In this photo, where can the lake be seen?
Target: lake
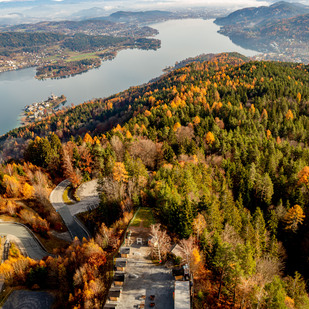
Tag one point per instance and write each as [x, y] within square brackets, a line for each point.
[180, 39]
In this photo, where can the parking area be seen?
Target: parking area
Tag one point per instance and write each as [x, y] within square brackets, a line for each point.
[145, 283]
[138, 282]
[29, 300]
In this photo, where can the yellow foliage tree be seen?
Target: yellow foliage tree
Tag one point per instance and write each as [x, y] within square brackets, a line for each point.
[298, 97]
[264, 114]
[12, 185]
[268, 134]
[252, 108]
[196, 120]
[119, 172]
[88, 138]
[96, 140]
[289, 115]
[289, 302]
[152, 100]
[177, 125]
[27, 191]
[196, 256]
[147, 113]
[210, 138]
[128, 135]
[118, 128]
[294, 217]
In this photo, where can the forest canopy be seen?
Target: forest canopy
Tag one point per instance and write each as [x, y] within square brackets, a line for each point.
[218, 150]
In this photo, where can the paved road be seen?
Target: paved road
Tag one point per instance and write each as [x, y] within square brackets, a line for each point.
[29, 300]
[89, 198]
[68, 212]
[24, 238]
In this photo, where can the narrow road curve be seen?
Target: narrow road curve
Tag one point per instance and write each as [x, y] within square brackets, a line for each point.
[89, 200]
[25, 239]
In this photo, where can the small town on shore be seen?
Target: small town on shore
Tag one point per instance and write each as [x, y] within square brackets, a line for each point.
[37, 111]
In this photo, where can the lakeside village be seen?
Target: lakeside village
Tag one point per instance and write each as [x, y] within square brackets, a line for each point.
[37, 111]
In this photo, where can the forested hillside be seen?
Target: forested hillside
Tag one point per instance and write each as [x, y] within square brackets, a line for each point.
[219, 151]
[12, 42]
[280, 30]
[258, 16]
[27, 41]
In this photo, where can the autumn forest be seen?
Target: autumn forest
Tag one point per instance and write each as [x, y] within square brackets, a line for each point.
[218, 149]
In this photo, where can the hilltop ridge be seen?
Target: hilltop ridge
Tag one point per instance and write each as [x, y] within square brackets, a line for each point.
[279, 30]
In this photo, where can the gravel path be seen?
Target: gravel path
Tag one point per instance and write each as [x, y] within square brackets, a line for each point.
[24, 238]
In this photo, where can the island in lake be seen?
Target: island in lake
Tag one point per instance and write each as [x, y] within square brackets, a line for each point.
[37, 111]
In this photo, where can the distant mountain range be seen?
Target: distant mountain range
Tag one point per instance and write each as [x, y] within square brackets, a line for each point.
[99, 25]
[282, 27]
[143, 16]
[89, 27]
[252, 17]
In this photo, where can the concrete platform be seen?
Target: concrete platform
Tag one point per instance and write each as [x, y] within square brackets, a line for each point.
[143, 278]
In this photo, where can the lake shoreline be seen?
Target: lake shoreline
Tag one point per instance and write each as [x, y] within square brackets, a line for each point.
[180, 39]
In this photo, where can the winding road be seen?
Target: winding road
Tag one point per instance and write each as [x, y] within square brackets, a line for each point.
[25, 239]
[89, 200]
[28, 242]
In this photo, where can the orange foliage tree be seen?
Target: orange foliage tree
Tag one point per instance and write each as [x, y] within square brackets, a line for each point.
[210, 138]
[289, 115]
[303, 176]
[119, 172]
[294, 217]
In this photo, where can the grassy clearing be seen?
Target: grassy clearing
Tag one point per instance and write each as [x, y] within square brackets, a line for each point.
[144, 217]
[78, 56]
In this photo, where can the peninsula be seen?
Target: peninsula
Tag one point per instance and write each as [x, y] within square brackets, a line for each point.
[37, 111]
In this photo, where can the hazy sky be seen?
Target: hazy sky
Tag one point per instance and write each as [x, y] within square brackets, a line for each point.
[33, 10]
[127, 3]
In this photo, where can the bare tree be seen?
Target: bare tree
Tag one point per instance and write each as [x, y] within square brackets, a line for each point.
[118, 147]
[184, 133]
[40, 187]
[230, 236]
[160, 242]
[146, 150]
[111, 190]
[188, 248]
[266, 268]
[103, 236]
